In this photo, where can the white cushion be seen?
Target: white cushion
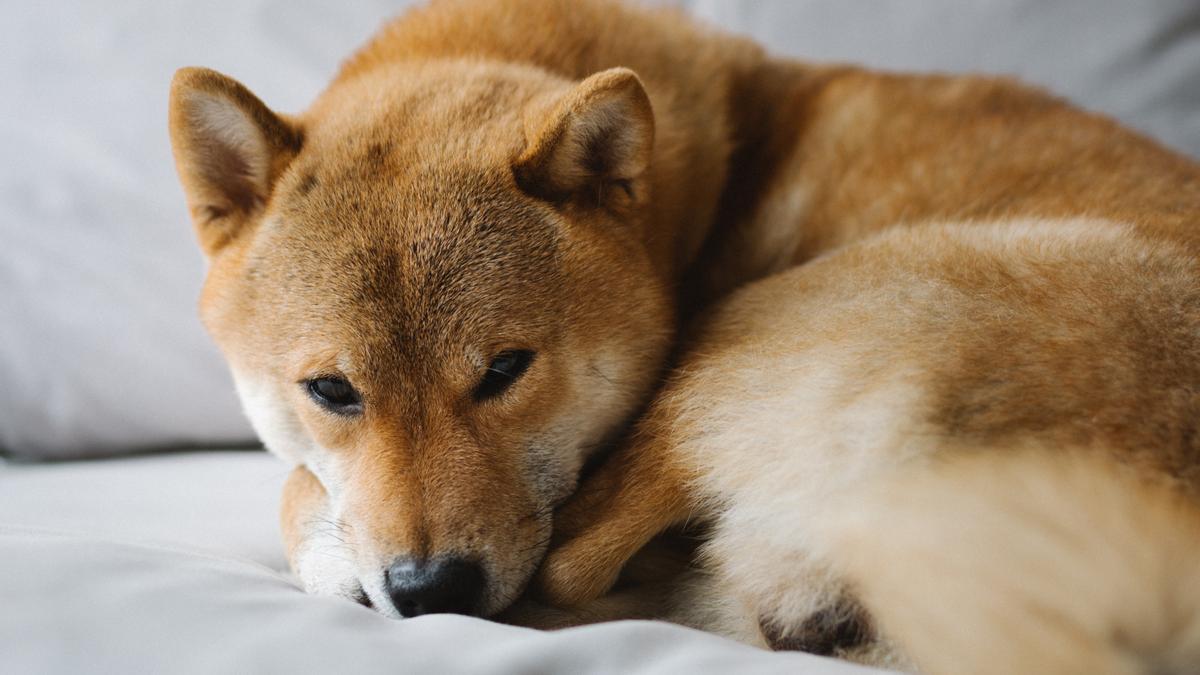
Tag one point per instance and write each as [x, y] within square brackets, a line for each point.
[225, 503]
[101, 350]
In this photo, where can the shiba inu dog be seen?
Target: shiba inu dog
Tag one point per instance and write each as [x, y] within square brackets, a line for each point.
[967, 315]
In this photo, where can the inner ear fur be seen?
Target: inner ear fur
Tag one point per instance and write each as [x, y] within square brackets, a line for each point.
[594, 144]
[229, 149]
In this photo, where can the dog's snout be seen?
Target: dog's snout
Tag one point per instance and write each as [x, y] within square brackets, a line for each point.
[445, 585]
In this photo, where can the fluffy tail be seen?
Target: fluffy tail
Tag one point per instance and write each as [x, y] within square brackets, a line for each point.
[1028, 563]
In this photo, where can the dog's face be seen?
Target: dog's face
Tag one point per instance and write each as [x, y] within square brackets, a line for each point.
[432, 291]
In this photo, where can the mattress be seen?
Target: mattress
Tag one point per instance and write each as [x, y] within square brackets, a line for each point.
[172, 564]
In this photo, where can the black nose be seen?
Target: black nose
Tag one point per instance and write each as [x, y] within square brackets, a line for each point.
[444, 585]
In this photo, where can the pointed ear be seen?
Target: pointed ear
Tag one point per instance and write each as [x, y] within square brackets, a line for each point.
[594, 145]
[229, 149]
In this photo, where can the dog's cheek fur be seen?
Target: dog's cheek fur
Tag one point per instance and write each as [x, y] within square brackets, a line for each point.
[282, 430]
[272, 418]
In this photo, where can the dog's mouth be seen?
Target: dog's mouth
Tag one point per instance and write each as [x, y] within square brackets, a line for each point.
[360, 596]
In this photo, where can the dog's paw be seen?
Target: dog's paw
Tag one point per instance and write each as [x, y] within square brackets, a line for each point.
[577, 571]
[831, 631]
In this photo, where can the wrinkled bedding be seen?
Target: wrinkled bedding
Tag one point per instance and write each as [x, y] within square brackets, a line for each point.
[172, 564]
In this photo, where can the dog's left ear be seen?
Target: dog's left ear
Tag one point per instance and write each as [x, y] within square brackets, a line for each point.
[594, 145]
[229, 149]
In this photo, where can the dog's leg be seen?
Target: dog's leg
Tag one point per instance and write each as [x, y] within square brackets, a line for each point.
[304, 499]
[768, 563]
[636, 494]
[835, 628]
[319, 546]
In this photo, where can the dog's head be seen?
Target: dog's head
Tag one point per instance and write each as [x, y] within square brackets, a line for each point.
[433, 291]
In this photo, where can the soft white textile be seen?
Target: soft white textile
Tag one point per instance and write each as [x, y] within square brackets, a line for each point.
[223, 502]
[171, 564]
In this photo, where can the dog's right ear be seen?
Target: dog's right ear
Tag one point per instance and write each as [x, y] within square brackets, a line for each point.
[229, 149]
[593, 145]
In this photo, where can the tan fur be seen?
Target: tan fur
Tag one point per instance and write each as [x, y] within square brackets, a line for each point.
[934, 264]
[1027, 562]
[920, 344]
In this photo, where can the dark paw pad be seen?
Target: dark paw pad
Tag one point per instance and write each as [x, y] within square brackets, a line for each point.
[834, 629]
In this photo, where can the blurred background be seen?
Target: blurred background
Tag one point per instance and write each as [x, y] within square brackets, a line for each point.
[100, 349]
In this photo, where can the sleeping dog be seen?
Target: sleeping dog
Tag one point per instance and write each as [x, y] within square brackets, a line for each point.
[937, 389]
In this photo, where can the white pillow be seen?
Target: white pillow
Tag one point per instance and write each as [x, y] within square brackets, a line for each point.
[101, 351]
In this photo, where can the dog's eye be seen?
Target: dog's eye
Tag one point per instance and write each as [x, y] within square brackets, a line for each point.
[335, 395]
[504, 369]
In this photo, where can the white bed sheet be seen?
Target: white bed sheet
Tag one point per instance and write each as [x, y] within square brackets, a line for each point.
[172, 564]
[224, 502]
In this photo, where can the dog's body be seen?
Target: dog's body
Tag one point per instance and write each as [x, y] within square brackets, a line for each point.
[810, 400]
[950, 268]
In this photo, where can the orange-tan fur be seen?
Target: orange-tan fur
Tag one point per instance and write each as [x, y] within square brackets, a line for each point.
[937, 266]
[913, 347]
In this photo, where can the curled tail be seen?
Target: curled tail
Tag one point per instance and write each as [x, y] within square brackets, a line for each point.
[1027, 563]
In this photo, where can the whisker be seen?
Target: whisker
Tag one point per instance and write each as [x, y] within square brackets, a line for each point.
[332, 534]
[334, 555]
